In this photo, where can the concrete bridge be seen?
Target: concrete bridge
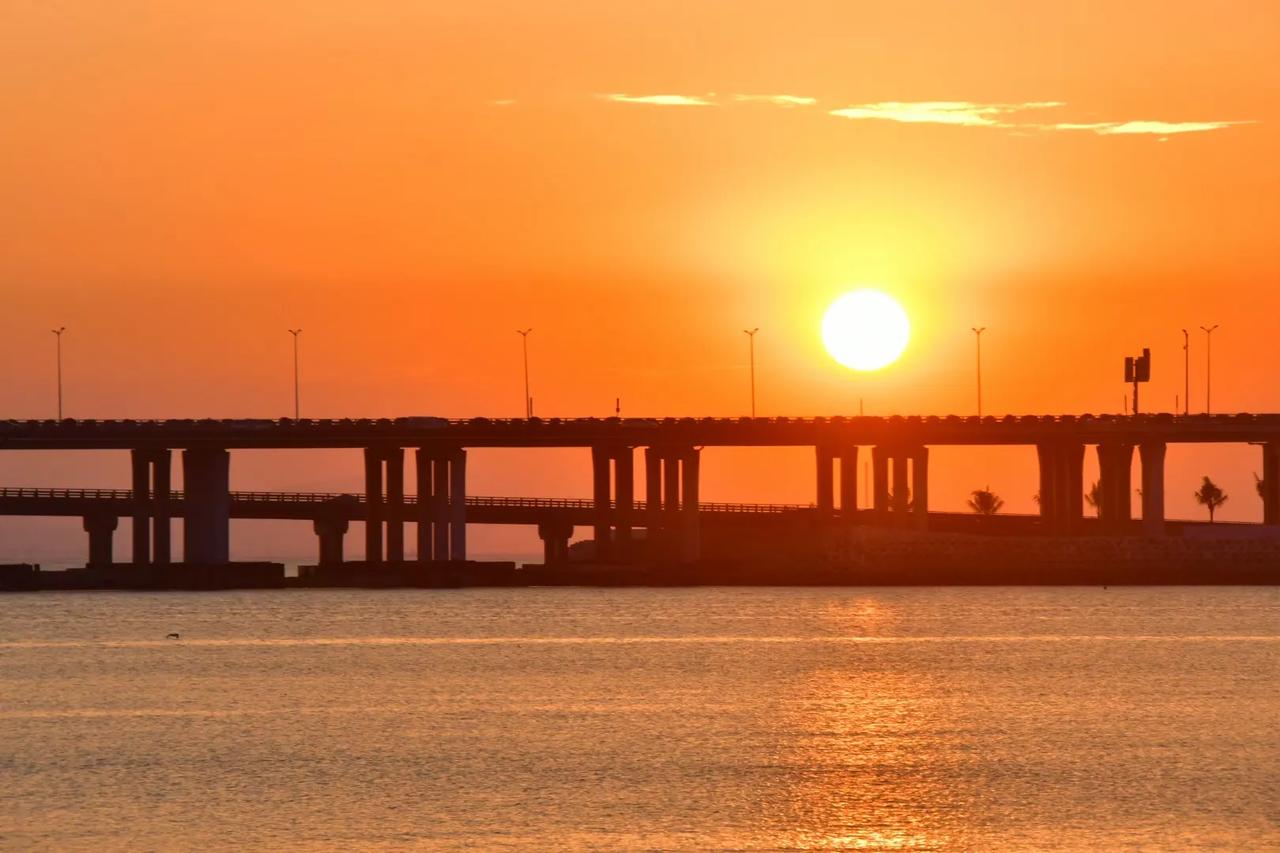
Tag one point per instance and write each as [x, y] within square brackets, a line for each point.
[672, 511]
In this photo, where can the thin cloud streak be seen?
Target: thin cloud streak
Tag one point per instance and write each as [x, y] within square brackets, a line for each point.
[661, 100]
[1157, 128]
[960, 113]
[777, 100]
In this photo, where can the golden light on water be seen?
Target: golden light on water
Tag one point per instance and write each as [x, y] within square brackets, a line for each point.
[865, 330]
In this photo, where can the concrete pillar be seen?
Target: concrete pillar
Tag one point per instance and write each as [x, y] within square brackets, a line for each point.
[1115, 461]
[691, 539]
[652, 500]
[458, 505]
[920, 487]
[141, 532]
[393, 510]
[1271, 483]
[826, 496]
[101, 530]
[901, 491]
[1070, 498]
[162, 508]
[423, 511]
[555, 542]
[624, 499]
[373, 504]
[439, 508]
[849, 482]
[331, 532]
[206, 477]
[1048, 460]
[602, 510]
[880, 481]
[1152, 454]
[671, 503]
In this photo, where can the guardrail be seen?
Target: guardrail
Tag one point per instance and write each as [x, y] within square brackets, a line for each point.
[126, 495]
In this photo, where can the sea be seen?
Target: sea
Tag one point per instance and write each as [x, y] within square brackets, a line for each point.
[939, 719]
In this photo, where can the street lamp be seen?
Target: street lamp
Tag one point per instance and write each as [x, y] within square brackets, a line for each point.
[58, 334]
[751, 350]
[528, 401]
[296, 398]
[1208, 372]
[1186, 372]
[977, 334]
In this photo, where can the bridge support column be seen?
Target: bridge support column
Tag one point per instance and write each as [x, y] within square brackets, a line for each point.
[458, 504]
[373, 504]
[624, 500]
[880, 482]
[1115, 463]
[848, 458]
[670, 503]
[826, 483]
[652, 500]
[101, 530]
[901, 491]
[442, 503]
[1271, 483]
[602, 515]
[613, 492]
[1047, 458]
[555, 542]
[1061, 486]
[691, 535]
[393, 509]
[920, 487]
[331, 532]
[151, 506]
[206, 477]
[1152, 454]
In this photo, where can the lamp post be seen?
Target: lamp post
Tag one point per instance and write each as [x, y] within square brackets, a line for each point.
[296, 397]
[58, 334]
[528, 401]
[977, 334]
[751, 351]
[1208, 371]
[1186, 372]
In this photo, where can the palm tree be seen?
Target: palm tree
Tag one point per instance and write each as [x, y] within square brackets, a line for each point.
[1093, 497]
[1210, 496]
[985, 501]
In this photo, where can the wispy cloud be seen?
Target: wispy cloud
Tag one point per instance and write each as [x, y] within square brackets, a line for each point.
[963, 113]
[777, 100]
[1156, 128]
[662, 100]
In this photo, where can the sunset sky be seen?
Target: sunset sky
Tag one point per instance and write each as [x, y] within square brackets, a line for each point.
[410, 182]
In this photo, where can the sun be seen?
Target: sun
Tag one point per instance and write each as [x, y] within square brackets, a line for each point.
[865, 330]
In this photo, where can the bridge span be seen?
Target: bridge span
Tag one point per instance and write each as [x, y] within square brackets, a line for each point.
[671, 511]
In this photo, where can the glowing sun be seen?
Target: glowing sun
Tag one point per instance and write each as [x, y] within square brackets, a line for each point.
[865, 330]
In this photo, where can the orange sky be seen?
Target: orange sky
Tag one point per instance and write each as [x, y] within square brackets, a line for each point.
[411, 182]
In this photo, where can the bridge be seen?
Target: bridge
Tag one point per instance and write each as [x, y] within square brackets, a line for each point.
[671, 512]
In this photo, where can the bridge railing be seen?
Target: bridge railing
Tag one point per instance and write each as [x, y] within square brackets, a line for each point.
[478, 501]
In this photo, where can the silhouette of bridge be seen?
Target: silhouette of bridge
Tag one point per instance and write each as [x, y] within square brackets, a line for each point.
[671, 512]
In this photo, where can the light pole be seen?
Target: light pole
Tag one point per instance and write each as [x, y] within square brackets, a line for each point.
[58, 334]
[977, 335]
[296, 398]
[751, 351]
[1208, 370]
[1186, 372]
[528, 401]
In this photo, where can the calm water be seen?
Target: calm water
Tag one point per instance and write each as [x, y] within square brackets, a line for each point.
[984, 719]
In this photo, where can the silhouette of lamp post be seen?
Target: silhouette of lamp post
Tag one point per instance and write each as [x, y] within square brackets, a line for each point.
[751, 354]
[58, 334]
[977, 334]
[528, 401]
[296, 396]
[1208, 370]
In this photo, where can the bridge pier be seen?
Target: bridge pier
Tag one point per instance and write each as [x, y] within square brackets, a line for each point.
[672, 487]
[880, 482]
[847, 460]
[1115, 485]
[1061, 486]
[442, 503]
[101, 529]
[908, 470]
[555, 542]
[393, 509]
[1271, 483]
[920, 487]
[152, 512]
[1152, 454]
[206, 525]
[331, 532]
[373, 505]
[613, 493]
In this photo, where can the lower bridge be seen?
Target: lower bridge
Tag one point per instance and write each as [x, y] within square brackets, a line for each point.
[332, 512]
